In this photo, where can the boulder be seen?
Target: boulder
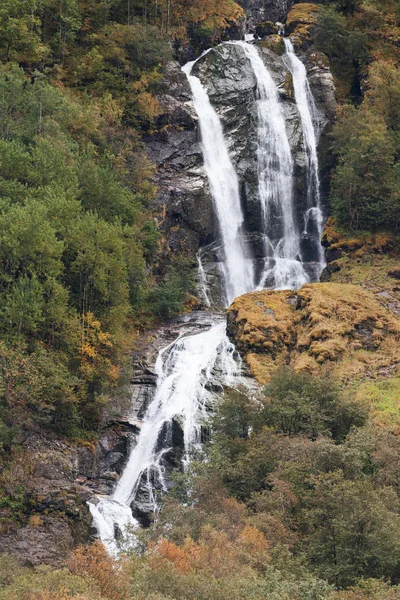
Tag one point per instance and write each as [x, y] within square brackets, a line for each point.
[265, 28]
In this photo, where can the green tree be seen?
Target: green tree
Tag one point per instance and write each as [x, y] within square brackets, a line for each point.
[297, 403]
[351, 529]
[365, 189]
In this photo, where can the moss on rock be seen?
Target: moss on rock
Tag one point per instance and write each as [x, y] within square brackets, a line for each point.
[322, 323]
[274, 43]
[301, 18]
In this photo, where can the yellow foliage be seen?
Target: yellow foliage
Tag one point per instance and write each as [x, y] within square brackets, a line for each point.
[209, 14]
[320, 323]
[95, 351]
[35, 521]
[301, 17]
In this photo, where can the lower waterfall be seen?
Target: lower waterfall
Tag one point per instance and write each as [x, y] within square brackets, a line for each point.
[200, 361]
[187, 370]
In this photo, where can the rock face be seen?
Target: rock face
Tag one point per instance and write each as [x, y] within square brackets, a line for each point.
[337, 324]
[183, 202]
[55, 517]
[265, 10]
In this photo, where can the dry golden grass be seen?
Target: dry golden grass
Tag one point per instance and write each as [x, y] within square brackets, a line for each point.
[370, 260]
[301, 18]
[322, 323]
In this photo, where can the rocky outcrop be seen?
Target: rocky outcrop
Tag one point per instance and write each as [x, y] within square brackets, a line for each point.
[183, 203]
[258, 11]
[300, 20]
[337, 324]
[53, 516]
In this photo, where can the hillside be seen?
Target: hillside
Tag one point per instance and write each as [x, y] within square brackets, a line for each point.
[126, 229]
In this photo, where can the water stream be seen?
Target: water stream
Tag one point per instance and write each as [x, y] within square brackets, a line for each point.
[283, 266]
[237, 264]
[187, 371]
[313, 218]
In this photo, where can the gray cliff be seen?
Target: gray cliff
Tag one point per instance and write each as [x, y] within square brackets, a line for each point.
[183, 203]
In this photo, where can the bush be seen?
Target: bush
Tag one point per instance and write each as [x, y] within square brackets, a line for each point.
[167, 299]
[297, 403]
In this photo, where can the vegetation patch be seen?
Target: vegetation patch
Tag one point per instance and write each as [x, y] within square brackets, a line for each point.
[370, 260]
[301, 17]
[384, 398]
[319, 324]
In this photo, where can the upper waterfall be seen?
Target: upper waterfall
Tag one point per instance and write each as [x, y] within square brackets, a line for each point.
[309, 120]
[283, 268]
[238, 276]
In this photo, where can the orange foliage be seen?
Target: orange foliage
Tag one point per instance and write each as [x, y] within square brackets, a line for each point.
[215, 552]
[94, 562]
[94, 351]
[181, 558]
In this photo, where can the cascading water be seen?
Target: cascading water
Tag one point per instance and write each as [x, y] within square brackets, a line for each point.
[185, 369]
[283, 266]
[196, 363]
[313, 219]
[238, 274]
[202, 281]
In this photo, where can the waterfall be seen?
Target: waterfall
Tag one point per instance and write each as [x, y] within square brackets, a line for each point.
[196, 363]
[283, 267]
[237, 266]
[309, 121]
[185, 369]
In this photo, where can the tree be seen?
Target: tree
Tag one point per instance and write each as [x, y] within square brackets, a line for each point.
[383, 96]
[350, 529]
[298, 403]
[365, 191]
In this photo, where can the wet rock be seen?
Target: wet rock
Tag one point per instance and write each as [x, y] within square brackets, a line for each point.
[333, 254]
[258, 11]
[183, 202]
[265, 28]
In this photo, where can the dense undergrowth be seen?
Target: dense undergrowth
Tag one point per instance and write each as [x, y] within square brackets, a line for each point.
[299, 496]
[361, 40]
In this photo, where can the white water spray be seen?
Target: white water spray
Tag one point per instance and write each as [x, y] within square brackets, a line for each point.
[202, 281]
[238, 275]
[309, 121]
[184, 370]
[283, 267]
